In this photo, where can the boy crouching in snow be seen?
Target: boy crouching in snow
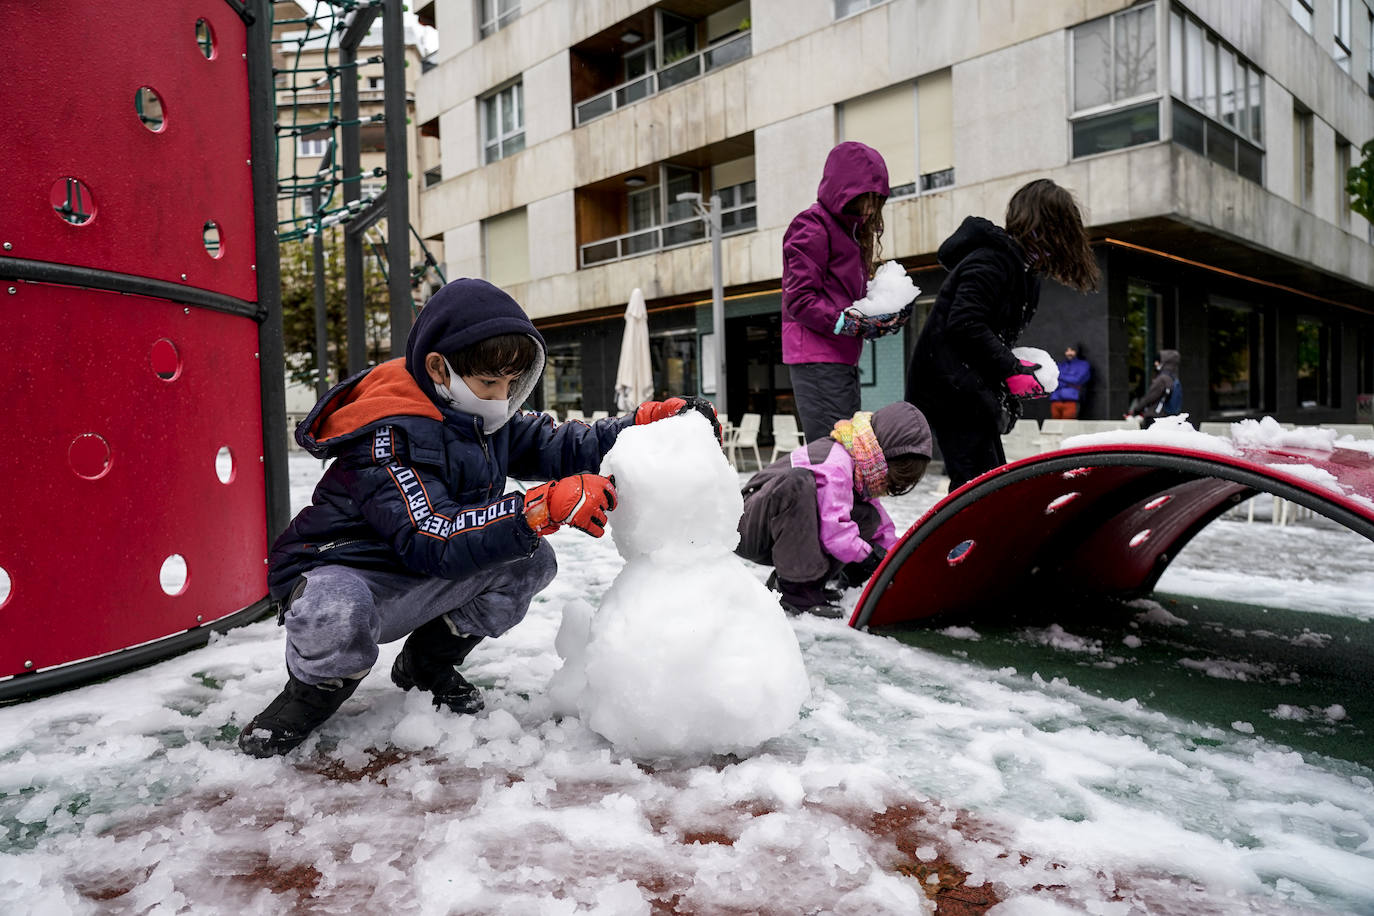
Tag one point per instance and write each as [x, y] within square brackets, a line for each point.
[410, 532]
[815, 513]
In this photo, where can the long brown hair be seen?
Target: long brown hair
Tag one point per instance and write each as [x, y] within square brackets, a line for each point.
[1046, 222]
[869, 233]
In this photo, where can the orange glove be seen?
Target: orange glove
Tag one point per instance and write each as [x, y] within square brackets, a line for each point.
[581, 501]
[650, 411]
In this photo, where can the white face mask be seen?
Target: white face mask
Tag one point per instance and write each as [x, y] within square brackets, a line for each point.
[494, 414]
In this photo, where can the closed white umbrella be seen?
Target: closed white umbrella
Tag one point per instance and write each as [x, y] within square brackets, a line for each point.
[634, 375]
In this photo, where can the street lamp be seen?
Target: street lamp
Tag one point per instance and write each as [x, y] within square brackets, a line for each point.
[710, 215]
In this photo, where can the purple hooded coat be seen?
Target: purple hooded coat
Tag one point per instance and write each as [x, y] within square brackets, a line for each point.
[822, 272]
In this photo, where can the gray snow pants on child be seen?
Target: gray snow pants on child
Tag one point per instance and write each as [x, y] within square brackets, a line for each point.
[338, 615]
[780, 526]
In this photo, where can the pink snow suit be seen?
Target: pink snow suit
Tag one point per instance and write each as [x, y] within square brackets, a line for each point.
[835, 497]
[822, 273]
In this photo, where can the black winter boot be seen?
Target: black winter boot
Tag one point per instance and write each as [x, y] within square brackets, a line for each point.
[807, 598]
[834, 591]
[297, 711]
[428, 661]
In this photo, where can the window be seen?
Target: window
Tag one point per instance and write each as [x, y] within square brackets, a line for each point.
[314, 145]
[1235, 344]
[1342, 195]
[563, 378]
[506, 247]
[1144, 334]
[1217, 98]
[1302, 156]
[1316, 369]
[1115, 82]
[376, 82]
[912, 125]
[1302, 11]
[845, 8]
[496, 15]
[673, 355]
[503, 122]
[1341, 47]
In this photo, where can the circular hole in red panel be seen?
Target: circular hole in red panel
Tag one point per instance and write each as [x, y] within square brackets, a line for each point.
[148, 104]
[210, 236]
[1060, 502]
[5, 586]
[89, 455]
[1140, 537]
[205, 39]
[172, 577]
[1155, 503]
[960, 553]
[165, 359]
[224, 464]
[72, 200]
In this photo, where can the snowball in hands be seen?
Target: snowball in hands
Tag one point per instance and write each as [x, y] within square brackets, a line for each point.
[888, 292]
[1048, 373]
[689, 654]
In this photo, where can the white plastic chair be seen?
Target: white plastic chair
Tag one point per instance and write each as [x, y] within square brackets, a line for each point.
[786, 436]
[745, 436]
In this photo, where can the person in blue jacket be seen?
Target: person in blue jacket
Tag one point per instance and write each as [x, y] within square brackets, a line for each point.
[1074, 372]
[411, 532]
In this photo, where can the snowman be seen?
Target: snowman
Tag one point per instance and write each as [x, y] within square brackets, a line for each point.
[689, 654]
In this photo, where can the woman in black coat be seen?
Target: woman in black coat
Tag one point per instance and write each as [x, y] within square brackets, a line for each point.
[963, 375]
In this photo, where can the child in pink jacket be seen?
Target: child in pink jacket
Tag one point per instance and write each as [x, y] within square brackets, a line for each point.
[816, 512]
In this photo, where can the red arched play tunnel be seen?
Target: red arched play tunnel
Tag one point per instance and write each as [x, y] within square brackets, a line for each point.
[1101, 522]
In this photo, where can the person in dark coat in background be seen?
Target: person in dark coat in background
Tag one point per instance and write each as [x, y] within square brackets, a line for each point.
[1074, 372]
[963, 375]
[829, 253]
[410, 532]
[1164, 397]
[816, 512]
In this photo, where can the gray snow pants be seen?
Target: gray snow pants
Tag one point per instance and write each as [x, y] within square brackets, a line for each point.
[780, 527]
[338, 615]
[825, 393]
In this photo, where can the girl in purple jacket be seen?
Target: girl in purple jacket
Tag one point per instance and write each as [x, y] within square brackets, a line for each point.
[829, 254]
[816, 512]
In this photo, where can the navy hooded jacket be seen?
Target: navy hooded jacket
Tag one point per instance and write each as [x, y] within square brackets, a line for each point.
[417, 485]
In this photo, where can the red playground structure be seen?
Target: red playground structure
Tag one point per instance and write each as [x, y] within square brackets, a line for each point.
[138, 269]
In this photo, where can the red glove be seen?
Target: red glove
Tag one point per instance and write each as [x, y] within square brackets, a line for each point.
[581, 501]
[650, 411]
[1023, 383]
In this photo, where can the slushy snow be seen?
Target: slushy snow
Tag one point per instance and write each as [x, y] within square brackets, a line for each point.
[689, 654]
[890, 291]
[1048, 373]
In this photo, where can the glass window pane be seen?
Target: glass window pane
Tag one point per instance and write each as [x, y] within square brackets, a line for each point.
[1137, 60]
[1092, 62]
[1228, 360]
[1242, 103]
[518, 105]
[1192, 42]
[1176, 53]
[1221, 146]
[507, 111]
[489, 109]
[1188, 130]
[1302, 11]
[513, 144]
[1254, 96]
[1227, 87]
[1249, 162]
[1209, 78]
[1116, 129]
[1309, 367]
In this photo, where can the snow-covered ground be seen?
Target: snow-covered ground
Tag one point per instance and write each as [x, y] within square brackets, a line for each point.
[979, 767]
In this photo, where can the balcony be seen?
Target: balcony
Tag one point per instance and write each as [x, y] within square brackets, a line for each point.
[737, 215]
[653, 51]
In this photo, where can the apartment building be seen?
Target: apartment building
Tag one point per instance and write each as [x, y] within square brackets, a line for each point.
[1205, 140]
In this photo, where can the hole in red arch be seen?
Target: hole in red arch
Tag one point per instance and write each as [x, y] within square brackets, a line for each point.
[72, 200]
[172, 576]
[165, 359]
[89, 455]
[210, 236]
[1158, 501]
[148, 105]
[224, 464]
[1140, 537]
[960, 552]
[205, 39]
[1060, 502]
[5, 586]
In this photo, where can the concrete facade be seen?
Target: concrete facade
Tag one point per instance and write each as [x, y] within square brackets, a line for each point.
[1011, 69]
